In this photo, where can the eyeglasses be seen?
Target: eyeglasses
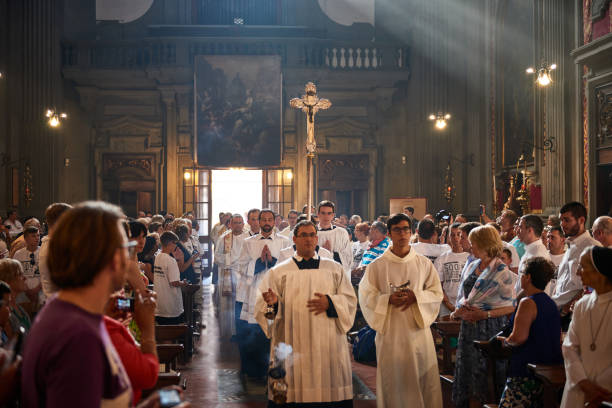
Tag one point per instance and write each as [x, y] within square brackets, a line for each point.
[401, 230]
[305, 235]
[131, 247]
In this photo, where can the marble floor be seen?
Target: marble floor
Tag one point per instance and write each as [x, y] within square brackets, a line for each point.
[212, 374]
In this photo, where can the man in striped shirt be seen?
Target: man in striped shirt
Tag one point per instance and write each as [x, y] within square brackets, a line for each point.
[379, 241]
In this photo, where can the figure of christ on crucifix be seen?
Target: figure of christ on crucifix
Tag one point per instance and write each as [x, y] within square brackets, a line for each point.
[310, 104]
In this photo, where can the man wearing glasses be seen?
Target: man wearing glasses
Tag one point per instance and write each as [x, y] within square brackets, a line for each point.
[400, 297]
[308, 302]
[28, 257]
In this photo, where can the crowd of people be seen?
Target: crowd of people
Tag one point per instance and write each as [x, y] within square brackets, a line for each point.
[540, 289]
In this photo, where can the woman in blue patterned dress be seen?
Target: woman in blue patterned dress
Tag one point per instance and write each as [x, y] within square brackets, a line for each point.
[485, 300]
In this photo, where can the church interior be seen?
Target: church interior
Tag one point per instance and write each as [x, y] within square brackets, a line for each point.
[196, 119]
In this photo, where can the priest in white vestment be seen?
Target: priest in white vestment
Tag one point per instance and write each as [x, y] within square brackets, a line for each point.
[288, 252]
[315, 306]
[587, 347]
[227, 254]
[259, 253]
[407, 367]
[335, 239]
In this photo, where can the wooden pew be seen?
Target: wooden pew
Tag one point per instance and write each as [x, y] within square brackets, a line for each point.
[168, 354]
[553, 379]
[493, 352]
[447, 329]
[170, 332]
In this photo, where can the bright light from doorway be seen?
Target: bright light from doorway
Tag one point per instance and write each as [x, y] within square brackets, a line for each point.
[235, 191]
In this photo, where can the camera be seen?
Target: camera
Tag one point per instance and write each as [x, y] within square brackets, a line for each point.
[125, 304]
[442, 216]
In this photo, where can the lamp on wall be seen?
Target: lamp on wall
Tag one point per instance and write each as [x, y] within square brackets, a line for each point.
[54, 118]
[544, 73]
[440, 119]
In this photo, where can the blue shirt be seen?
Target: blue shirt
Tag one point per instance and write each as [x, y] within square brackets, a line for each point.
[371, 254]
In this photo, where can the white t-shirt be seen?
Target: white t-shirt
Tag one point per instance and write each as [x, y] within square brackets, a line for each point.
[29, 261]
[431, 251]
[169, 298]
[449, 266]
[15, 228]
[556, 259]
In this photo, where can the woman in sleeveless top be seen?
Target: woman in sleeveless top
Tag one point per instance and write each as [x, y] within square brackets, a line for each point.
[535, 337]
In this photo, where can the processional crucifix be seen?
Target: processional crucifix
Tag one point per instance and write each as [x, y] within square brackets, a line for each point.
[310, 104]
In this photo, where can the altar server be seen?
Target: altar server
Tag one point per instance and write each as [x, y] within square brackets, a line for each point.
[314, 307]
[400, 297]
[334, 239]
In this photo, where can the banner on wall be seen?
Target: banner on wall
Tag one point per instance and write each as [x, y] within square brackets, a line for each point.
[238, 108]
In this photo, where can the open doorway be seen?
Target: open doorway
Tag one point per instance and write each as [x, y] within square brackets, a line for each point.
[235, 191]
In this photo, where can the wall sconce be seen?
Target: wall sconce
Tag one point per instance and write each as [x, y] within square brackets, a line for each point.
[54, 118]
[440, 119]
[544, 74]
[187, 175]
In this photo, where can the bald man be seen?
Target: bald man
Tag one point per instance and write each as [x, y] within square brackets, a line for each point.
[602, 230]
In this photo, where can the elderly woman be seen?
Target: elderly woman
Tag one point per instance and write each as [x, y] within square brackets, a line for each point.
[483, 304]
[535, 337]
[587, 345]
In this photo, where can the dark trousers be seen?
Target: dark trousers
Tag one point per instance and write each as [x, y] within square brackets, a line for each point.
[170, 320]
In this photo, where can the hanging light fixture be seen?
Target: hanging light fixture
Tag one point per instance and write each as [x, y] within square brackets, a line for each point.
[544, 73]
[440, 119]
[54, 118]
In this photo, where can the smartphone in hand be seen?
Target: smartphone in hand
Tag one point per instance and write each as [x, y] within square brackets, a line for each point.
[169, 398]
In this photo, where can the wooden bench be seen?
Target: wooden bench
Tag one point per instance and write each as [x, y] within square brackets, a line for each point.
[553, 380]
[164, 380]
[447, 381]
[174, 333]
[447, 330]
[493, 352]
[168, 354]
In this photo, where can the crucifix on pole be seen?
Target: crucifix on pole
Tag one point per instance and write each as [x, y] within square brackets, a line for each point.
[310, 104]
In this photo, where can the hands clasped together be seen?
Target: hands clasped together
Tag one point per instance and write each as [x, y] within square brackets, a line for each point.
[317, 305]
[266, 255]
[469, 313]
[402, 299]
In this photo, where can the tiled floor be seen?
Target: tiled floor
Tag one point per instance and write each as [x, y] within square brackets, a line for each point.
[218, 359]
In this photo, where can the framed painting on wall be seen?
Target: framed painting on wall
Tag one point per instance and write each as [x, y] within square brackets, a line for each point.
[238, 108]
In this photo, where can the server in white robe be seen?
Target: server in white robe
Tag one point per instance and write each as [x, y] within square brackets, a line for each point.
[259, 254]
[407, 367]
[227, 253]
[587, 347]
[315, 306]
[334, 239]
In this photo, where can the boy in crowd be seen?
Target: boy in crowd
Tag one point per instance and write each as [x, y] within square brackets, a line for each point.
[167, 282]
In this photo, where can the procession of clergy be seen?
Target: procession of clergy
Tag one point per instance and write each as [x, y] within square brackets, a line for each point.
[293, 287]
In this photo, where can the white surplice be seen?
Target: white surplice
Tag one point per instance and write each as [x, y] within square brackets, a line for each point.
[228, 260]
[288, 252]
[580, 361]
[407, 366]
[249, 281]
[341, 244]
[319, 370]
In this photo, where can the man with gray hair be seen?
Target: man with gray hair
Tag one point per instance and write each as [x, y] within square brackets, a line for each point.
[602, 230]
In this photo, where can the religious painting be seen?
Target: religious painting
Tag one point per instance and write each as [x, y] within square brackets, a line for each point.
[238, 108]
[515, 52]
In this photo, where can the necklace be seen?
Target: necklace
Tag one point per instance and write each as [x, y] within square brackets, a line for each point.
[593, 346]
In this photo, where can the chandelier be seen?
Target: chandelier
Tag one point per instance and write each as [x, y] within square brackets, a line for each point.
[544, 73]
